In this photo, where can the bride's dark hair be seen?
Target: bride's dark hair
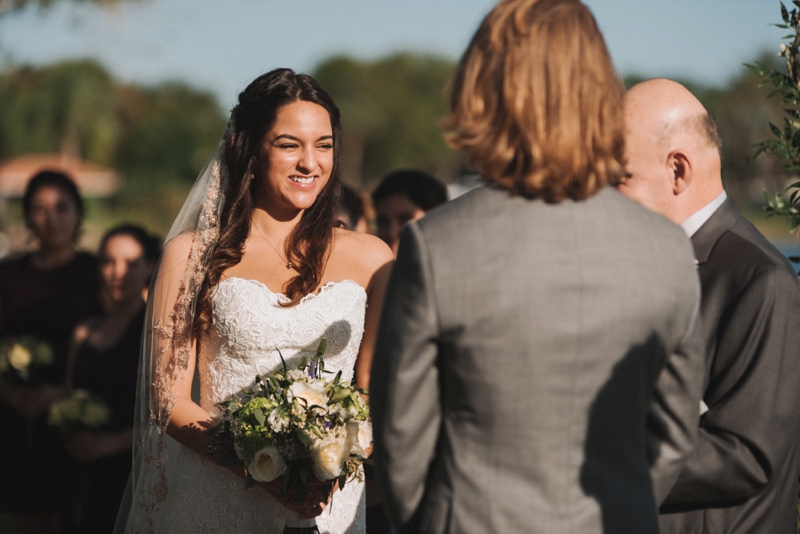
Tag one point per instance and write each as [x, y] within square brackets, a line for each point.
[308, 244]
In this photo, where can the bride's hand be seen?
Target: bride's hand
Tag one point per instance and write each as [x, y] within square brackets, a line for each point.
[315, 500]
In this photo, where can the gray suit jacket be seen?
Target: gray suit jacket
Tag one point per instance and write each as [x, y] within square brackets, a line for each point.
[742, 475]
[538, 367]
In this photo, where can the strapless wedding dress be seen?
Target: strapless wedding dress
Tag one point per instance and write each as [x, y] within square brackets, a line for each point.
[249, 327]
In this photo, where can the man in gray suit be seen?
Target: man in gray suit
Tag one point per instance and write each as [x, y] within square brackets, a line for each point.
[742, 474]
[539, 359]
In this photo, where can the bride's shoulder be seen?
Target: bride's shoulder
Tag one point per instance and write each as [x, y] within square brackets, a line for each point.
[176, 251]
[363, 252]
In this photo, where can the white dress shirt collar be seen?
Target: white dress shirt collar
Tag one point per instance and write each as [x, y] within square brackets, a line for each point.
[699, 218]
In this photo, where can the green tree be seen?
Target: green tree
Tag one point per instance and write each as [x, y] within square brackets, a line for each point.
[169, 130]
[68, 108]
[157, 137]
[390, 109]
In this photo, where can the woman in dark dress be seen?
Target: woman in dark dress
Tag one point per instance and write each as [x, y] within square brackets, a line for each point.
[42, 294]
[105, 364]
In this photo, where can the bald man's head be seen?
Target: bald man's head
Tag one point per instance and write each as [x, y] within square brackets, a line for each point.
[672, 150]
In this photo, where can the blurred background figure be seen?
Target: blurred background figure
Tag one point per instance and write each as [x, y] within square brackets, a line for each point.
[355, 210]
[105, 363]
[43, 294]
[402, 196]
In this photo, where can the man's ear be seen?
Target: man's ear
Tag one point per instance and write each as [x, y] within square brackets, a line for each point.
[680, 165]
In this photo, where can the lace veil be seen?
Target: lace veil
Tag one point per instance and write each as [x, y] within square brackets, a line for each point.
[166, 349]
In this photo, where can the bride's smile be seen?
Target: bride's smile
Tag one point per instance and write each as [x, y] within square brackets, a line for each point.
[297, 157]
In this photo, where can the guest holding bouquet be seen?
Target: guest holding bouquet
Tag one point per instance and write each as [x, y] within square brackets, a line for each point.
[104, 365]
[43, 295]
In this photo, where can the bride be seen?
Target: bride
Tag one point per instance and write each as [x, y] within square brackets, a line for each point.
[253, 265]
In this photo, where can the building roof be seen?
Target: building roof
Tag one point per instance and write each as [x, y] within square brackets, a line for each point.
[92, 180]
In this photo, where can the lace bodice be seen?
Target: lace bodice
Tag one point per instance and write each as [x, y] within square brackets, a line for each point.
[250, 327]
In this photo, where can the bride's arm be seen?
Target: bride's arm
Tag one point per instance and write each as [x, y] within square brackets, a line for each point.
[189, 423]
[378, 261]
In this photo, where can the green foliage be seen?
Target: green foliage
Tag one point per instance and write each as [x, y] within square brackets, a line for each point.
[68, 107]
[158, 138]
[168, 130]
[390, 108]
[786, 142]
[165, 132]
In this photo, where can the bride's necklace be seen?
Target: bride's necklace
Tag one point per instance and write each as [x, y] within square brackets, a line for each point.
[289, 264]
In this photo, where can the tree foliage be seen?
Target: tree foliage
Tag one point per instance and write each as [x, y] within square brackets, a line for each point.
[786, 141]
[390, 111]
[75, 107]
[65, 108]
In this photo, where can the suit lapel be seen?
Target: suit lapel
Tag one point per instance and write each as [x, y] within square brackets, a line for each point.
[706, 237]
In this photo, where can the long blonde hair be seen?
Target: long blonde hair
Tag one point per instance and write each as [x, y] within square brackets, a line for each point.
[536, 103]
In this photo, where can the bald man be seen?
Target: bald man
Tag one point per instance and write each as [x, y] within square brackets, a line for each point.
[742, 474]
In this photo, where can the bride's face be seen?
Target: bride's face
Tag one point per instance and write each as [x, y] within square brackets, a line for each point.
[298, 157]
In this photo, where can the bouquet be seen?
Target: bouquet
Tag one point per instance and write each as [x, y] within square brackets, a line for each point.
[80, 410]
[22, 359]
[296, 423]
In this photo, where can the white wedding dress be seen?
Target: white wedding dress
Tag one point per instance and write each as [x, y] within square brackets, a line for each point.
[249, 327]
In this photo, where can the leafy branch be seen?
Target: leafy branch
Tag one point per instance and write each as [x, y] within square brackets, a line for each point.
[786, 144]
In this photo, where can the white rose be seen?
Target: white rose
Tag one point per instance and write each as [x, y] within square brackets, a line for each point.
[329, 456]
[311, 393]
[296, 375]
[19, 357]
[277, 421]
[267, 465]
[345, 413]
[359, 437]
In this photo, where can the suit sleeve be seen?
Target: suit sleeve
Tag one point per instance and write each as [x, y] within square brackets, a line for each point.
[673, 414]
[752, 397]
[404, 388]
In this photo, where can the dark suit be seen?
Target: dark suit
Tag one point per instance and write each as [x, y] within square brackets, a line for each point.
[523, 349]
[742, 474]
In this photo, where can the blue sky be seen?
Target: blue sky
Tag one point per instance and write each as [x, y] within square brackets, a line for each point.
[222, 44]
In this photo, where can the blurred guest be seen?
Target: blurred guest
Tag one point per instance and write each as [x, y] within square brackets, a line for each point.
[539, 358]
[355, 210]
[402, 196]
[42, 294]
[105, 364]
[742, 474]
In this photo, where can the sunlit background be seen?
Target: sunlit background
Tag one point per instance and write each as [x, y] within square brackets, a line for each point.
[137, 92]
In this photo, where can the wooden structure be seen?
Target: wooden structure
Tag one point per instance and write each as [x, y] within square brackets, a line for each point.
[94, 181]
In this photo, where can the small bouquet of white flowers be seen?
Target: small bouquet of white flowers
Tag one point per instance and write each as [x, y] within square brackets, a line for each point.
[23, 358]
[296, 423]
[80, 410]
